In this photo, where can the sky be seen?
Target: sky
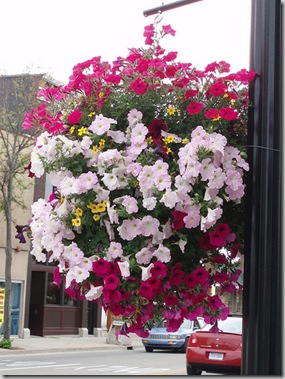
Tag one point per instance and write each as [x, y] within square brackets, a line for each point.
[53, 36]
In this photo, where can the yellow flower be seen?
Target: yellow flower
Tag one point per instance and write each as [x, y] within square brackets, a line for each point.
[101, 94]
[101, 207]
[169, 151]
[171, 111]
[78, 212]
[170, 139]
[96, 217]
[232, 101]
[184, 141]
[95, 149]
[93, 207]
[91, 114]
[72, 129]
[76, 221]
[82, 131]
[149, 140]
[216, 118]
[102, 143]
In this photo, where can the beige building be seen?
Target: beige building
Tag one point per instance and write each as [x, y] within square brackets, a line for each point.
[20, 261]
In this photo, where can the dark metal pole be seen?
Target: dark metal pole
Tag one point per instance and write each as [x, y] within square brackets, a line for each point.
[167, 7]
[262, 307]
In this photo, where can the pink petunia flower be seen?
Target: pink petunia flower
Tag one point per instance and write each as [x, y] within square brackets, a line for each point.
[115, 250]
[101, 267]
[111, 282]
[159, 269]
[168, 30]
[194, 107]
[74, 117]
[138, 86]
[214, 302]
[146, 291]
[162, 253]
[201, 275]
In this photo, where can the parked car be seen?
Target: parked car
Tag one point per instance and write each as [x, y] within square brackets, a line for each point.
[159, 338]
[216, 352]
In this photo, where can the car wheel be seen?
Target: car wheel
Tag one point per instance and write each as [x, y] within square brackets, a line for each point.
[192, 371]
[148, 349]
[184, 347]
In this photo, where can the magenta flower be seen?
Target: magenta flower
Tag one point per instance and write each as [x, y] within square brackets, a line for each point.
[220, 277]
[219, 259]
[149, 34]
[214, 302]
[228, 114]
[146, 291]
[101, 267]
[111, 282]
[201, 275]
[170, 300]
[159, 269]
[194, 107]
[116, 309]
[168, 30]
[74, 117]
[198, 299]
[217, 89]
[176, 277]
[190, 281]
[212, 113]
[155, 284]
[138, 86]
[178, 222]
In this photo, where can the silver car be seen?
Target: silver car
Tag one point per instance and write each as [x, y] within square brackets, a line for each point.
[159, 338]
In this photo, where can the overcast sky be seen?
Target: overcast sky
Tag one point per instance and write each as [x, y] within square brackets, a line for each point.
[55, 35]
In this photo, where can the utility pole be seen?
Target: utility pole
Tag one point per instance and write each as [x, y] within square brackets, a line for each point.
[262, 306]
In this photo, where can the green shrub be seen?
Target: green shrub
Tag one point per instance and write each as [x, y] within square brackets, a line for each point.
[5, 344]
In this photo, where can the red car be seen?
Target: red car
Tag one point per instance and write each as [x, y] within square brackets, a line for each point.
[216, 352]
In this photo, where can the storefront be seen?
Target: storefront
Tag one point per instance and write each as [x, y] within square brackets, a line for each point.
[52, 311]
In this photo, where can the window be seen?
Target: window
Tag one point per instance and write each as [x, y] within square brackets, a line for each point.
[45, 292]
[14, 307]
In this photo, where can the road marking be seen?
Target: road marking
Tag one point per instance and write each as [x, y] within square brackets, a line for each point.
[118, 369]
[33, 367]
[24, 363]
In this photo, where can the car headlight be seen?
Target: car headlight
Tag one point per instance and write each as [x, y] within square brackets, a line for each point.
[175, 337]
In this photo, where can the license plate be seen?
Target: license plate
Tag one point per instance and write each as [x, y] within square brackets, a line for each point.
[216, 356]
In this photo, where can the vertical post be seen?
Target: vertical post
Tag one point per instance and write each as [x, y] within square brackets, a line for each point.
[262, 307]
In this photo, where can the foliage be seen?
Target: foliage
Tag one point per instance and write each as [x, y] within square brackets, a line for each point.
[5, 344]
[147, 157]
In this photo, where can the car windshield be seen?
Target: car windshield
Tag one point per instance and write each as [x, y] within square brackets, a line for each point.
[186, 324]
[230, 325]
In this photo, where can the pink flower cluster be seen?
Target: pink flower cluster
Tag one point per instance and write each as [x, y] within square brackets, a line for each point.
[147, 158]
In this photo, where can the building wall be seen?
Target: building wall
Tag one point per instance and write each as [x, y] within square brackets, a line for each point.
[20, 253]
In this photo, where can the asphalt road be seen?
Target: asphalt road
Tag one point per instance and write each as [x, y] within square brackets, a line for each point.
[96, 363]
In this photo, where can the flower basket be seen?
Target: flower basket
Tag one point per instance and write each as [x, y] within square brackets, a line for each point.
[147, 158]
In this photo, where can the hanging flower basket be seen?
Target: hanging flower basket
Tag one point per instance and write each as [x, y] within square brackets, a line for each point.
[147, 158]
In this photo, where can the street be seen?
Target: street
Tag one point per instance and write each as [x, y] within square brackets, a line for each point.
[99, 362]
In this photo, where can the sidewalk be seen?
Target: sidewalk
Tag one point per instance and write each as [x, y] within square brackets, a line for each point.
[36, 344]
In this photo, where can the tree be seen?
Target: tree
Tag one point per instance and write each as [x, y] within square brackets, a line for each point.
[18, 95]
